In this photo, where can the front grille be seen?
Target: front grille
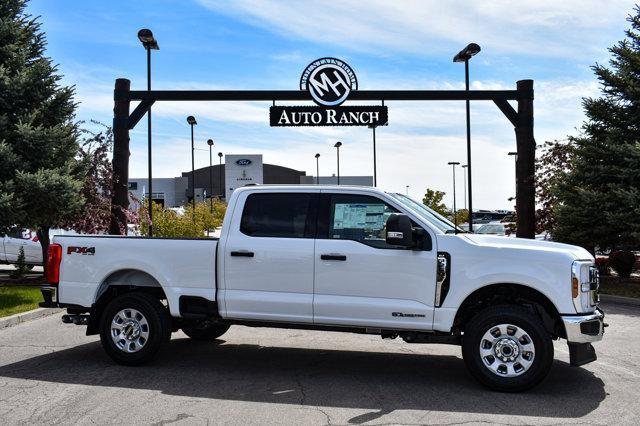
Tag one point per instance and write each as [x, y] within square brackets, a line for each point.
[594, 285]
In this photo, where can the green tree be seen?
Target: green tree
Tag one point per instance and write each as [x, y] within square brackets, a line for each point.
[168, 223]
[599, 197]
[39, 175]
[433, 200]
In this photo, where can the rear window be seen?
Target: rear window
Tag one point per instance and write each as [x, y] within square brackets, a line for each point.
[280, 215]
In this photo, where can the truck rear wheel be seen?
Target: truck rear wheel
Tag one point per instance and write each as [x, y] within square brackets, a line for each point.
[207, 333]
[507, 348]
[134, 327]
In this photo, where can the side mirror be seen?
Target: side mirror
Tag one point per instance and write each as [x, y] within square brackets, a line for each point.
[399, 231]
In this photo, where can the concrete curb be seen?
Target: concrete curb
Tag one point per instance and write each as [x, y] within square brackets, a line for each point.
[27, 316]
[620, 300]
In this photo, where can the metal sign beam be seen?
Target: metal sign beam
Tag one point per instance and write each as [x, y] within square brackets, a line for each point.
[301, 95]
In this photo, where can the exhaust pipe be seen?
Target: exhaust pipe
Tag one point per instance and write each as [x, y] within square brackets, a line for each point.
[75, 319]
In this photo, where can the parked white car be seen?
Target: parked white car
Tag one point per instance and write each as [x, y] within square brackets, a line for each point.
[336, 258]
[21, 238]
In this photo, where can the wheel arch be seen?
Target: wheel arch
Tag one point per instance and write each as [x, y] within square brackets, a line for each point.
[511, 293]
[126, 280]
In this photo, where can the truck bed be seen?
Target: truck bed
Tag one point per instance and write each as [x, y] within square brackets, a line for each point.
[179, 266]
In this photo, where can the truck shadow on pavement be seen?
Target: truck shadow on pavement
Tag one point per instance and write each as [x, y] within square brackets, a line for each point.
[380, 381]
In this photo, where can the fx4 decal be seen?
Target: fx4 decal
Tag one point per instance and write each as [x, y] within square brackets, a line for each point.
[81, 250]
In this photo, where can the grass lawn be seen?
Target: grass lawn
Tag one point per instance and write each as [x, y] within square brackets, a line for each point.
[626, 288]
[16, 299]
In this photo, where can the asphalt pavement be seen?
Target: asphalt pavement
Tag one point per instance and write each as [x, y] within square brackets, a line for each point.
[52, 373]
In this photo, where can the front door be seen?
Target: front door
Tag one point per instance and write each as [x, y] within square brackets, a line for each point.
[362, 281]
[268, 258]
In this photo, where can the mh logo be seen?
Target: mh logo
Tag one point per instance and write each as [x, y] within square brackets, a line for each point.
[329, 81]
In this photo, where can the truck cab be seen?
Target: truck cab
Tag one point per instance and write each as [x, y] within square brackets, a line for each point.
[337, 258]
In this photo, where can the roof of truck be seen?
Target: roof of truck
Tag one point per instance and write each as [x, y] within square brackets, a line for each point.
[310, 187]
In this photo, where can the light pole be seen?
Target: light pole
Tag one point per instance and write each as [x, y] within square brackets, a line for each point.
[407, 190]
[375, 177]
[192, 122]
[317, 169]
[337, 146]
[149, 43]
[515, 158]
[220, 174]
[464, 182]
[463, 56]
[453, 165]
[210, 143]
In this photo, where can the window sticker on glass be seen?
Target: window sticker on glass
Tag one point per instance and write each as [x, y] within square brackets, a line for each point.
[350, 216]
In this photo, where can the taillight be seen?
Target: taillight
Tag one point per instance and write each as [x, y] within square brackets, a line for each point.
[54, 256]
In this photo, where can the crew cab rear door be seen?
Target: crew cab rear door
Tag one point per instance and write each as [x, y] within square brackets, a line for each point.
[362, 281]
[269, 257]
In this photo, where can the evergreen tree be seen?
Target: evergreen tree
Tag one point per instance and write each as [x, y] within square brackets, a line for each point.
[40, 178]
[598, 201]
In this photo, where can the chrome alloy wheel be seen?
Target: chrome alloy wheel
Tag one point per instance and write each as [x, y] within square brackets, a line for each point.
[507, 350]
[129, 330]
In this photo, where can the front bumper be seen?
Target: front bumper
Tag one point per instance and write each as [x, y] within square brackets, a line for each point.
[584, 328]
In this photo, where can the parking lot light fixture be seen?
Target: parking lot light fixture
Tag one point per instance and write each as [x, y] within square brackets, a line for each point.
[464, 55]
[220, 174]
[149, 43]
[210, 143]
[317, 169]
[337, 146]
[192, 122]
[453, 165]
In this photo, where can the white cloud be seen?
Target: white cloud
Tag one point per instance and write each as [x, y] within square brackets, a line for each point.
[534, 27]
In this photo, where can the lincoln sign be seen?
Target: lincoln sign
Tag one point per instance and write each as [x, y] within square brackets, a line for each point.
[329, 81]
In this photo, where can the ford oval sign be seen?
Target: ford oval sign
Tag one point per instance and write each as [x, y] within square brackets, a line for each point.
[243, 162]
[329, 81]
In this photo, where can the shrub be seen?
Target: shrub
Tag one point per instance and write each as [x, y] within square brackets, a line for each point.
[21, 265]
[170, 223]
[622, 261]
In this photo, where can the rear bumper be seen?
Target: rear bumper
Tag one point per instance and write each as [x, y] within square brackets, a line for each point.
[584, 328]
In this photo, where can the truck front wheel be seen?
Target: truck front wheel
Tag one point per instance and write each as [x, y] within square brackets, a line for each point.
[134, 327]
[507, 348]
[206, 333]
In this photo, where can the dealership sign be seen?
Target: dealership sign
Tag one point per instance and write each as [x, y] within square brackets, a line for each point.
[329, 81]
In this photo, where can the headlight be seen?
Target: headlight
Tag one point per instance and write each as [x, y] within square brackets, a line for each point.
[585, 284]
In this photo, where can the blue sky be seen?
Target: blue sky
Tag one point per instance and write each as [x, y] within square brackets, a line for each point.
[209, 44]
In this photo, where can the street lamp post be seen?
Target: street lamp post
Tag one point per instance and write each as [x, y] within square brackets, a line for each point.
[453, 165]
[463, 56]
[317, 169]
[337, 146]
[149, 43]
[210, 143]
[407, 189]
[464, 183]
[192, 122]
[515, 158]
[220, 174]
[375, 174]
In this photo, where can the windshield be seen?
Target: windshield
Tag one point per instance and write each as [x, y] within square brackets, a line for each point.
[436, 219]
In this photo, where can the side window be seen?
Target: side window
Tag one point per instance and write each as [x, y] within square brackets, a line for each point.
[280, 215]
[360, 218]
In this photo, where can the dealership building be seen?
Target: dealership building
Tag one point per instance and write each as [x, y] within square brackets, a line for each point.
[220, 180]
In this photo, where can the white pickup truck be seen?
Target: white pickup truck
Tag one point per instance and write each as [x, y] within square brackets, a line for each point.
[336, 258]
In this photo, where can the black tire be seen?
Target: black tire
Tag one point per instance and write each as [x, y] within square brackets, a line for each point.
[206, 334]
[157, 325]
[528, 323]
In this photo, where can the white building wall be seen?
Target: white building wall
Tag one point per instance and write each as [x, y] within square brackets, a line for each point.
[241, 170]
